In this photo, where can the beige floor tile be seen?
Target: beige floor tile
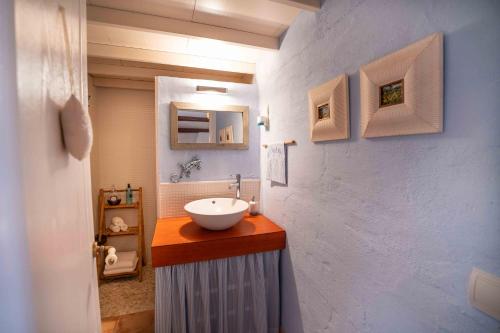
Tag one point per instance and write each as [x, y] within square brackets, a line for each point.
[127, 295]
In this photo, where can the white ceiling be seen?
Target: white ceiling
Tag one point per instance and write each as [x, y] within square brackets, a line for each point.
[121, 36]
[263, 17]
[229, 36]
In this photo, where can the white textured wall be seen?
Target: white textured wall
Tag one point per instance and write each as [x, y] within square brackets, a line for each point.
[15, 307]
[383, 233]
[216, 164]
[124, 152]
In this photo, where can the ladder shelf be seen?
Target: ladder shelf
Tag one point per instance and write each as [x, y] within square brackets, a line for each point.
[137, 231]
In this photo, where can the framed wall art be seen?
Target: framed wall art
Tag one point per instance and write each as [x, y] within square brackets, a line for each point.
[402, 93]
[329, 110]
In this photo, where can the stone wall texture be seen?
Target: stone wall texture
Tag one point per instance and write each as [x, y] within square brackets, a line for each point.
[383, 233]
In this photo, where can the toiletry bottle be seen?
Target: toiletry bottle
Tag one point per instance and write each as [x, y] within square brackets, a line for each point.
[130, 196]
[252, 207]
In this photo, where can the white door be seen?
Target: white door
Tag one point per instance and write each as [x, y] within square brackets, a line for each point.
[56, 186]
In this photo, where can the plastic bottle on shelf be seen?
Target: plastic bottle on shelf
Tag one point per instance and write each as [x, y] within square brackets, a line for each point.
[252, 207]
[130, 196]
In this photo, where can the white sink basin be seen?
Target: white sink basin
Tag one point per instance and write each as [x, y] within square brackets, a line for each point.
[216, 213]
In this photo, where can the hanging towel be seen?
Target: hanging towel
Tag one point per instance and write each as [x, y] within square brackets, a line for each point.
[276, 163]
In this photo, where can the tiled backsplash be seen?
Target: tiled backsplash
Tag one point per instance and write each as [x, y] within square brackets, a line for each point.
[173, 196]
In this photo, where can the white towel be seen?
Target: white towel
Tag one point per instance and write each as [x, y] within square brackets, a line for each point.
[114, 228]
[117, 221]
[122, 270]
[126, 263]
[276, 163]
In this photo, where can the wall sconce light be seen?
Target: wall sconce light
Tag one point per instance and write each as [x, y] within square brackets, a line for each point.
[211, 90]
[263, 120]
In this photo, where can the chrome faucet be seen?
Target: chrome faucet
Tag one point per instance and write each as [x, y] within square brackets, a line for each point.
[186, 169]
[236, 184]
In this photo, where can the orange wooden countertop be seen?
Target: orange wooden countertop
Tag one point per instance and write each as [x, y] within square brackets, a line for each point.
[178, 240]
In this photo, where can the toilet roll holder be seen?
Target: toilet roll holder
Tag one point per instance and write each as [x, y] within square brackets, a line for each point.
[99, 249]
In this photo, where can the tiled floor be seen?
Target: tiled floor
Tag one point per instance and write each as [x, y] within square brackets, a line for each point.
[127, 305]
[127, 295]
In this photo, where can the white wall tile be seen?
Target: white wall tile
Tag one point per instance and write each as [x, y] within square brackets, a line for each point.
[173, 196]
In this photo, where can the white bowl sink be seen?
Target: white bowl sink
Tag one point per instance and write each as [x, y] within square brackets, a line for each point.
[216, 213]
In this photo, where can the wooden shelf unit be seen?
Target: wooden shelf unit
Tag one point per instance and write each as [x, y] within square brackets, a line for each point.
[137, 231]
[136, 272]
[130, 231]
[134, 205]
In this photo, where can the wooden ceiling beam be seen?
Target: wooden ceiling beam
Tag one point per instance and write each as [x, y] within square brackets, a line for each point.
[167, 58]
[310, 5]
[147, 72]
[123, 83]
[134, 20]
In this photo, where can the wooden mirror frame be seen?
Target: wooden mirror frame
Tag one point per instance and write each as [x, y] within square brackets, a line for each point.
[174, 138]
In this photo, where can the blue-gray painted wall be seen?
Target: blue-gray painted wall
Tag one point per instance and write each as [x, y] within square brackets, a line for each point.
[383, 233]
[216, 164]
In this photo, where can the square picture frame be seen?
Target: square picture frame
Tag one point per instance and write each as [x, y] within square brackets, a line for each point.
[329, 110]
[402, 93]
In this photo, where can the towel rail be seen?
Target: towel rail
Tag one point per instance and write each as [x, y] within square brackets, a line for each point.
[288, 142]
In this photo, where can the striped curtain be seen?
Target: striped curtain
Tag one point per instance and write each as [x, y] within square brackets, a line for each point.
[234, 295]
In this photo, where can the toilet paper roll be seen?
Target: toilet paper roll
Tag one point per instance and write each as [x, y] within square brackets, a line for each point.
[111, 258]
[123, 227]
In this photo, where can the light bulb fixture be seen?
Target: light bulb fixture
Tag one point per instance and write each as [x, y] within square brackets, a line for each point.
[263, 120]
[211, 90]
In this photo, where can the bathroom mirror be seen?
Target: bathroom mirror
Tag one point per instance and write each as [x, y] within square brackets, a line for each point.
[198, 126]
